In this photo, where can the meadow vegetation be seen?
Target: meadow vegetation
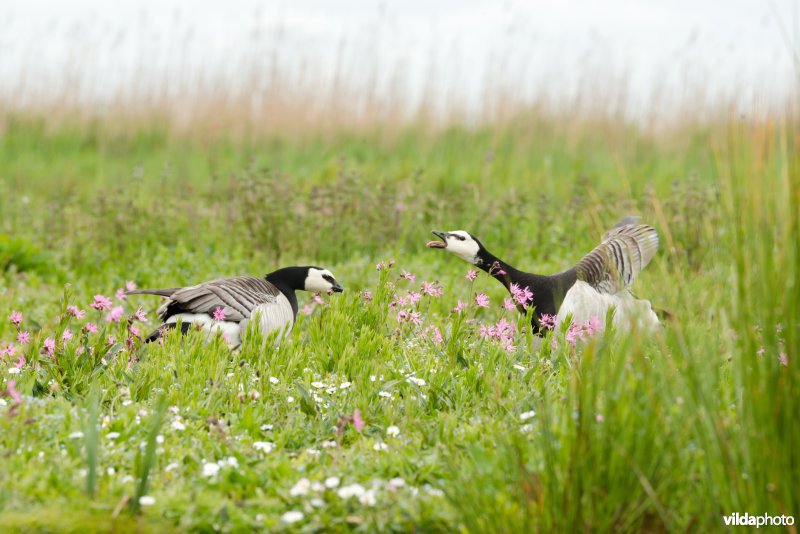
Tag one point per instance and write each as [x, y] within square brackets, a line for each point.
[366, 418]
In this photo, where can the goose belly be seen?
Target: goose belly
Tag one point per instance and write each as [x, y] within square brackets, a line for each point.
[230, 331]
[278, 315]
[584, 302]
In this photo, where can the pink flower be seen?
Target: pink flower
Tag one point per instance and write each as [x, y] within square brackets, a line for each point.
[23, 337]
[779, 328]
[574, 334]
[783, 358]
[761, 351]
[547, 321]
[318, 299]
[91, 328]
[115, 314]
[134, 330]
[101, 303]
[49, 346]
[402, 315]
[76, 312]
[471, 275]
[379, 267]
[413, 297]
[120, 294]
[497, 269]
[437, 335]
[12, 391]
[358, 423]
[308, 310]
[599, 418]
[593, 326]
[408, 276]
[130, 285]
[15, 318]
[416, 318]
[20, 362]
[482, 300]
[508, 304]
[219, 313]
[521, 296]
[428, 288]
[10, 350]
[140, 315]
[367, 296]
[459, 307]
[66, 335]
[111, 340]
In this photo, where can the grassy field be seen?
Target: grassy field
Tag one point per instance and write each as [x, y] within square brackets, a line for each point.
[623, 433]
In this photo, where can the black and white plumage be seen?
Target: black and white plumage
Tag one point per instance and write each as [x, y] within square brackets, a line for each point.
[600, 281]
[270, 300]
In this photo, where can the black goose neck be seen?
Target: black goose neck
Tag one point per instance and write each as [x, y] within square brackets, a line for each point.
[288, 278]
[497, 268]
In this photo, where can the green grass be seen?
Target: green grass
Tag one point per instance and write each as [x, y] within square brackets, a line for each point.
[669, 432]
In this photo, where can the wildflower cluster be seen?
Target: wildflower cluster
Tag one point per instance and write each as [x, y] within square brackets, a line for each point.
[503, 331]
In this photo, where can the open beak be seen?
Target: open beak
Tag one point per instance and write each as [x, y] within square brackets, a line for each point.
[337, 288]
[438, 244]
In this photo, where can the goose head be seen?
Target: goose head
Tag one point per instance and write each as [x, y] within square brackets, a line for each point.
[320, 280]
[461, 243]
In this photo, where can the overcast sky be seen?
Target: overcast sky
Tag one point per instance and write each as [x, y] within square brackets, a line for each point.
[455, 48]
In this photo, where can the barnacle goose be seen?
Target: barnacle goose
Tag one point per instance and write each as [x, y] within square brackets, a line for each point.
[226, 305]
[600, 281]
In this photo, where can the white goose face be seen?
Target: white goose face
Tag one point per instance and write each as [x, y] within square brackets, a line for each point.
[460, 243]
[321, 281]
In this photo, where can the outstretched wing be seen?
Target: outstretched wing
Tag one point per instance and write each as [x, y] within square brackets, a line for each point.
[238, 297]
[625, 250]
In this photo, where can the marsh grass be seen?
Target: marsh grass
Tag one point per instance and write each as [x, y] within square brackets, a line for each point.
[630, 433]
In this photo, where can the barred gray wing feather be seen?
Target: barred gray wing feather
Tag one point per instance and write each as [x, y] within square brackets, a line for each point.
[625, 250]
[238, 297]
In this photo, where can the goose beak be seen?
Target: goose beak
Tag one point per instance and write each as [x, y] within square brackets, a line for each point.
[337, 288]
[438, 244]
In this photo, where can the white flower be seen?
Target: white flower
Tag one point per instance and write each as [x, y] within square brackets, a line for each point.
[385, 394]
[526, 428]
[372, 378]
[266, 427]
[316, 486]
[396, 483]
[126, 479]
[433, 492]
[330, 391]
[524, 416]
[127, 402]
[368, 499]
[417, 381]
[318, 385]
[392, 431]
[345, 385]
[147, 500]
[300, 488]
[210, 469]
[171, 466]
[264, 446]
[13, 370]
[380, 447]
[112, 435]
[292, 516]
[273, 380]
[353, 490]
[3, 402]
[313, 452]
[159, 439]
[518, 366]
[76, 435]
[110, 471]
[316, 502]
[329, 444]
[331, 482]
[290, 399]
[230, 461]
[173, 409]
[177, 425]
